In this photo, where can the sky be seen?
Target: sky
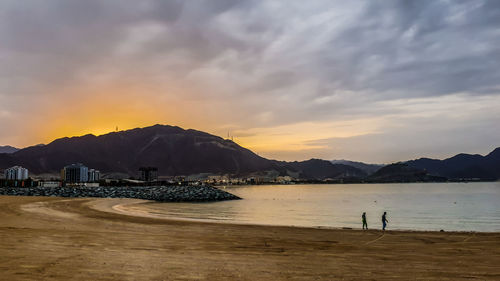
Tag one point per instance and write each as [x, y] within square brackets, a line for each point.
[373, 81]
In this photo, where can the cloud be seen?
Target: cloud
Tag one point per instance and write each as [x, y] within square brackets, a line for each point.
[430, 127]
[257, 65]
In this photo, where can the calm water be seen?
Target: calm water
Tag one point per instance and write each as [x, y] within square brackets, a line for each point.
[418, 206]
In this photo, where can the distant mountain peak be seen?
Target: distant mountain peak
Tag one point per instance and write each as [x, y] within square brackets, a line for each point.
[463, 166]
[495, 153]
[8, 149]
[367, 168]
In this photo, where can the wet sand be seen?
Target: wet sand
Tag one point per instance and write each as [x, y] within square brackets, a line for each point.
[85, 239]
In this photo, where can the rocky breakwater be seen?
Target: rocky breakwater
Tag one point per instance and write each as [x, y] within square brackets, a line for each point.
[157, 193]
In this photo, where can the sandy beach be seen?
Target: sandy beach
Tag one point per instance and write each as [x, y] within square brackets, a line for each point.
[86, 239]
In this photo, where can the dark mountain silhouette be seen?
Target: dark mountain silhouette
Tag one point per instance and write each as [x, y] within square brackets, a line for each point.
[367, 168]
[402, 172]
[398, 172]
[173, 150]
[8, 149]
[6, 161]
[322, 169]
[462, 166]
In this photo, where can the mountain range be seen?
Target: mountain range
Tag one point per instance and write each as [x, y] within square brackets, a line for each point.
[176, 151]
[8, 149]
[367, 168]
[462, 166]
[173, 150]
[402, 172]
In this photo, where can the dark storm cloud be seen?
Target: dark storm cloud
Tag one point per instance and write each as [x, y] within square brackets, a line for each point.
[437, 47]
[420, 48]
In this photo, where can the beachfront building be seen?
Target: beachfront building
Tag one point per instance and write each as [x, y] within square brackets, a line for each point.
[94, 175]
[16, 173]
[75, 173]
[49, 184]
[79, 173]
[149, 174]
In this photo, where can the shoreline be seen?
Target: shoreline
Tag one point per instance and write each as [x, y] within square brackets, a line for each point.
[54, 238]
[119, 209]
[357, 182]
[123, 210]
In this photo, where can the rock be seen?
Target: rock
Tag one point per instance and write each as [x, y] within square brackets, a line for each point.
[157, 193]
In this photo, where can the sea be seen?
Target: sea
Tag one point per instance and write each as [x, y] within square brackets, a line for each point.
[409, 206]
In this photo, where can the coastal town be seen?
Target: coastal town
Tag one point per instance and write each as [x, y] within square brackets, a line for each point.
[79, 175]
[78, 180]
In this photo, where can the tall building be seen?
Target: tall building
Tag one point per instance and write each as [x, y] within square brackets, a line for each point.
[16, 173]
[79, 173]
[94, 175]
[149, 174]
[75, 173]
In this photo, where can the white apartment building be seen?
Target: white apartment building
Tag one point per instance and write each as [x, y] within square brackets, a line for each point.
[16, 173]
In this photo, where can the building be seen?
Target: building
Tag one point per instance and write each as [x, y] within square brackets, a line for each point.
[16, 173]
[79, 173]
[94, 175]
[149, 174]
[75, 173]
[49, 184]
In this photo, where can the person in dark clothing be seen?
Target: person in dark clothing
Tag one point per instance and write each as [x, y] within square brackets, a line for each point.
[384, 221]
[363, 218]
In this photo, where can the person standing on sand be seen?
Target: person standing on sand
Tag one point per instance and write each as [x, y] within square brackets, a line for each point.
[363, 218]
[384, 221]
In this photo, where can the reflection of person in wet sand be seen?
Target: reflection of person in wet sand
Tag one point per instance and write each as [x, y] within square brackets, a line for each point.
[384, 220]
[363, 217]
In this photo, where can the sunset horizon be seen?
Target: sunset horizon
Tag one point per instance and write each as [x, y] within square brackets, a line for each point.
[417, 87]
[249, 140]
[256, 150]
